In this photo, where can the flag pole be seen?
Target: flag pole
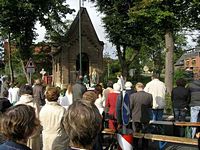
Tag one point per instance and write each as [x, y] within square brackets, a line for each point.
[80, 39]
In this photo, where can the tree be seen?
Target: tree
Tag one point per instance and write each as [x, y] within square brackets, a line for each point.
[135, 24]
[1, 54]
[125, 35]
[58, 31]
[198, 41]
[18, 18]
[169, 17]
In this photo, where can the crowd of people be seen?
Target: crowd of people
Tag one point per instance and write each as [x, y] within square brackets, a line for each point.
[73, 116]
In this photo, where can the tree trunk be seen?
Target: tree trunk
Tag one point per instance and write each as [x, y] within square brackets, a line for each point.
[122, 61]
[24, 70]
[10, 60]
[169, 65]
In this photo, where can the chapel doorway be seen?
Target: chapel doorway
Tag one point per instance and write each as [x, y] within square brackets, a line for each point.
[84, 62]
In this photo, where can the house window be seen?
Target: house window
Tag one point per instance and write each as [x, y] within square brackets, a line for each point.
[193, 62]
[187, 63]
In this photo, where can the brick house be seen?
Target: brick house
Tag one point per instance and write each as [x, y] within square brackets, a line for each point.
[66, 57]
[190, 61]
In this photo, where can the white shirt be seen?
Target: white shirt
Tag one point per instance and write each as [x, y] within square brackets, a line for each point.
[63, 100]
[157, 89]
[10, 94]
[100, 104]
[121, 82]
[69, 97]
[15, 94]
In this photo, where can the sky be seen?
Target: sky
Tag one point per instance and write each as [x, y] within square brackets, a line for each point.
[95, 17]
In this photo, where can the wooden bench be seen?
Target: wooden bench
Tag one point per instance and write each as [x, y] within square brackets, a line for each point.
[189, 124]
[171, 139]
[138, 135]
[108, 138]
[162, 122]
[108, 131]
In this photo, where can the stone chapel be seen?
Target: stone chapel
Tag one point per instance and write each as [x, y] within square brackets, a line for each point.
[66, 55]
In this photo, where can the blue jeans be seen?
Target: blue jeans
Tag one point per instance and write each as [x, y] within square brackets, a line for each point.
[194, 111]
[179, 114]
[157, 114]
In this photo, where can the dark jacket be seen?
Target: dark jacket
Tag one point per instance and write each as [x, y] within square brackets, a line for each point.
[140, 103]
[129, 92]
[77, 90]
[194, 89]
[4, 104]
[10, 145]
[180, 97]
[119, 105]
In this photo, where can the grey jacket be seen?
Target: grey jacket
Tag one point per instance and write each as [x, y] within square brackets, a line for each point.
[140, 103]
[77, 90]
[194, 90]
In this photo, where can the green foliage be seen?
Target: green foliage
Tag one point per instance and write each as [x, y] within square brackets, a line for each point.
[18, 18]
[180, 43]
[165, 14]
[43, 59]
[21, 79]
[168, 108]
[127, 37]
[198, 41]
[58, 31]
[179, 73]
[138, 27]
[114, 68]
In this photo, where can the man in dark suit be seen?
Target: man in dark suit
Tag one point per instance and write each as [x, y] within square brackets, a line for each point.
[140, 103]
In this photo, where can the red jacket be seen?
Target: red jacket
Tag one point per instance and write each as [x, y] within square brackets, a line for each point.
[111, 103]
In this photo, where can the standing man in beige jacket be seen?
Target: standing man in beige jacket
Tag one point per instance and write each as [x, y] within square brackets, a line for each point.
[157, 89]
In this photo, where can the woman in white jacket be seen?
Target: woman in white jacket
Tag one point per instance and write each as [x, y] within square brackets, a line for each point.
[51, 114]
